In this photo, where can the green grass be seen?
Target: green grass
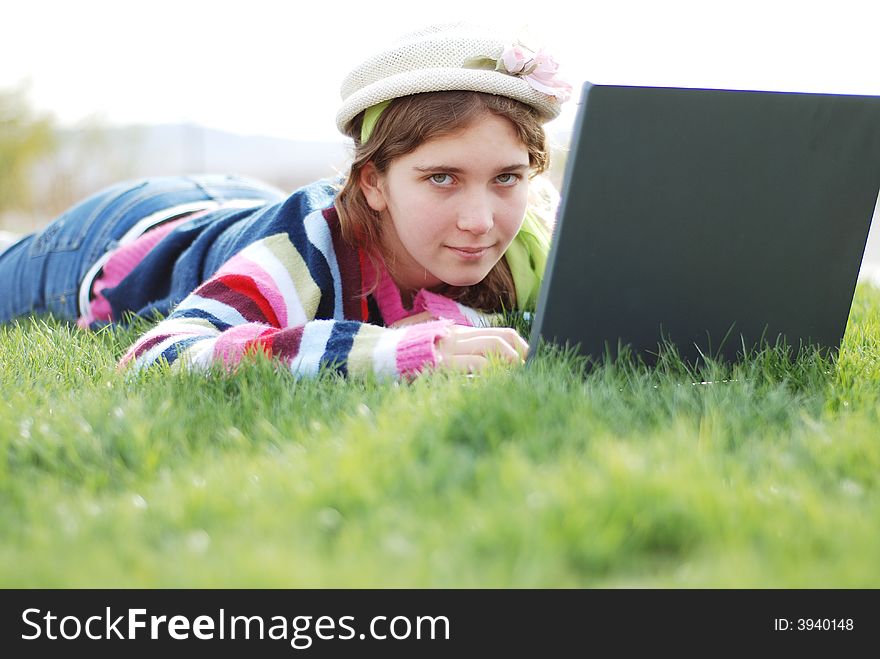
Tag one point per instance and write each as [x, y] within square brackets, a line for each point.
[622, 476]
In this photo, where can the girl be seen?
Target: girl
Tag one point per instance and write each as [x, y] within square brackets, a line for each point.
[395, 269]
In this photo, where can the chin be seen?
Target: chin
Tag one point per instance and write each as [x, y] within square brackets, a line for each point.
[461, 279]
[463, 274]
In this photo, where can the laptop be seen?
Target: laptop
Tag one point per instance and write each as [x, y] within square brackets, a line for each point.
[714, 221]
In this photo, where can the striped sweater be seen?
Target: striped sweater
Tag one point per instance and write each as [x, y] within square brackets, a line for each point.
[295, 293]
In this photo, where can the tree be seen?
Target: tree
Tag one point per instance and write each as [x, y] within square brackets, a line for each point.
[25, 136]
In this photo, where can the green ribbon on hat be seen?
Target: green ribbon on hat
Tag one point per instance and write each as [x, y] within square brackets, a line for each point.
[527, 254]
[371, 116]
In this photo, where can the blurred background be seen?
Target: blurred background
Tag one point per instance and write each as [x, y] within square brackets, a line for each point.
[94, 92]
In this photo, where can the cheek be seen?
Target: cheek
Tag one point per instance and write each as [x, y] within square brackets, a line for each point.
[420, 220]
[511, 216]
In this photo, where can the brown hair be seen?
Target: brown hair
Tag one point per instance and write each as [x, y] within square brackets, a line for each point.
[407, 123]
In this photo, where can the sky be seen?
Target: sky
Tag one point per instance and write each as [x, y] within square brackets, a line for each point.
[273, 67]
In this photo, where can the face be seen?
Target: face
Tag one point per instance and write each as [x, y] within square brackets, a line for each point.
[451, 207]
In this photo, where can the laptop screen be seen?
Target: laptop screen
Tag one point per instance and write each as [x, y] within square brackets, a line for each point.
[713, 220]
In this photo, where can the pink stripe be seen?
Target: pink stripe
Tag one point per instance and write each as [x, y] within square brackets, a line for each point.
[418, 348]
[241, 265]
[231, 345]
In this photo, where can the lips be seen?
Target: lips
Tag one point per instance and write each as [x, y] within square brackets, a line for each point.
[470, 250]
[469, 253]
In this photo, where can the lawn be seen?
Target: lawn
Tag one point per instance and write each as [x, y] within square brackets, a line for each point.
[546, 476]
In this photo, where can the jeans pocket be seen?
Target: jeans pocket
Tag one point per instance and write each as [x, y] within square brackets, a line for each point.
[68, 231]
[44, 242]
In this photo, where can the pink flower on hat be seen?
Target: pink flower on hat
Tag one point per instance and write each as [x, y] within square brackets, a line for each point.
[539, 69]
[516, 60]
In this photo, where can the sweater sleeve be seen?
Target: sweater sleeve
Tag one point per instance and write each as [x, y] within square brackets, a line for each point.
[442, 307]
[264, 299]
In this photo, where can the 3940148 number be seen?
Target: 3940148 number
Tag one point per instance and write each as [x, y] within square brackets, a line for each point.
[825, 624]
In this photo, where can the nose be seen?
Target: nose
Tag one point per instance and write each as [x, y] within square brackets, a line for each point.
[476, 214]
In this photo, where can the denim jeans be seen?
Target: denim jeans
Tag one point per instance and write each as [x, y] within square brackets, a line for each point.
[43, 271]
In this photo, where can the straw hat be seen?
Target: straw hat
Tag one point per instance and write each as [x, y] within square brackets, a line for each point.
[449, 58]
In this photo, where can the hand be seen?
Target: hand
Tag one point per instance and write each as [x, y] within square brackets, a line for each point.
[468, 348]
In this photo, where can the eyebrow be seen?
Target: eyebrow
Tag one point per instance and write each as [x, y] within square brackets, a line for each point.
[458, 170]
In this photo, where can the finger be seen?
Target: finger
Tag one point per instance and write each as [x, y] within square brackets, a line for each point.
[508, 335]
[468, 363]
[519, 344]
[486, 345]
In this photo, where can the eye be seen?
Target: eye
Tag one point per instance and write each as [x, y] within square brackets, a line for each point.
[507, 179]
[441, 179]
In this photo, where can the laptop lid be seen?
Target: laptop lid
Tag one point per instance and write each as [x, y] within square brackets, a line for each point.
[710, 219]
